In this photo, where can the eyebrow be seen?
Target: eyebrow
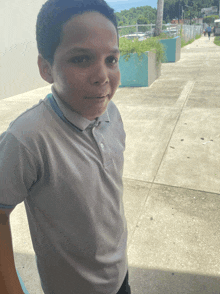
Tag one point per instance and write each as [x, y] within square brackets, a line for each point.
[86, 50]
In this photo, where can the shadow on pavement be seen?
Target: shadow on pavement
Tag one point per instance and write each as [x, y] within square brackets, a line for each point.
[142, 280]
[153, 281]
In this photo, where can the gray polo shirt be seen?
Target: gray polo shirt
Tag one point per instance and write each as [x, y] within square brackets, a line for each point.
[68, 171]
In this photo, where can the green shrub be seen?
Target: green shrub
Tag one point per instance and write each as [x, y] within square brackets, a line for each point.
[127, 47]
[184, 43]
[163, 36]
[217, 41]
[210, 19]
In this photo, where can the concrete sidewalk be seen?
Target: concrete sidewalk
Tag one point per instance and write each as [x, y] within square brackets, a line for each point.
[171, 177]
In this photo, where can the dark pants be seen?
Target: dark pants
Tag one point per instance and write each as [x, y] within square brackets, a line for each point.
[125, 288]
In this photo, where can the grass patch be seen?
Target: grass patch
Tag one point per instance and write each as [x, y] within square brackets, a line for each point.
[127, 47]
[184, 43]
[198, 36]
[217, 41]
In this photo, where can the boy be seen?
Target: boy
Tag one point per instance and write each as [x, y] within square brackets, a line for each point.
[64, 158]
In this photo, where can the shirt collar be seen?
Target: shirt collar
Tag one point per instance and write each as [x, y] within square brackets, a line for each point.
[75, 118]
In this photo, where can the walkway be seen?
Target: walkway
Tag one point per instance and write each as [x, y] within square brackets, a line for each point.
[171, 177]
[172, 183]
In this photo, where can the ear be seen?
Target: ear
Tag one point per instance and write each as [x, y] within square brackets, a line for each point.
[45, 69]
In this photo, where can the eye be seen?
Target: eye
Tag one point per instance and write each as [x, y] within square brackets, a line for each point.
[112, 60]
[80, 59]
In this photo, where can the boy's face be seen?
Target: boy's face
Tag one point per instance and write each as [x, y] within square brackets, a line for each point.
[85, 71]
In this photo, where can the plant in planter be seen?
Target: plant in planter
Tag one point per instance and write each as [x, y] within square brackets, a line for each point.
[172, 47]
[140, 61]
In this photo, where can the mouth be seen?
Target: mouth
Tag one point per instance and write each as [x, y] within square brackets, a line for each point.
[99, 97]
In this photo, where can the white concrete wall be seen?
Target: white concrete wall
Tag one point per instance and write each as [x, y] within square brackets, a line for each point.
[178, 49]
[18, 53]
[154, 71]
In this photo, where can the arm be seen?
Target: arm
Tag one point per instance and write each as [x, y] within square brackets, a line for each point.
[9, 282]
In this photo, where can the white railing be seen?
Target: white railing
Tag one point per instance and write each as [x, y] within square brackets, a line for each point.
[143, 31]
[147, 30]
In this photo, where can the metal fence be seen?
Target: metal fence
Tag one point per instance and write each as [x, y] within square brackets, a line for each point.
[190, 32]
[146, 30]
[143, 31]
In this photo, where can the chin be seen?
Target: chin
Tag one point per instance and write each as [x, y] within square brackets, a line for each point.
[95, 115]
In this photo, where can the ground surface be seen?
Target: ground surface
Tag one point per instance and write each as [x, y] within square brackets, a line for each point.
[171, 177]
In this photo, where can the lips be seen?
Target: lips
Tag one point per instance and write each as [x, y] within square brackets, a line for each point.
[98, 97]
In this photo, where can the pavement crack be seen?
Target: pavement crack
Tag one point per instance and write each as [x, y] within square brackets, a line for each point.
[181, 103]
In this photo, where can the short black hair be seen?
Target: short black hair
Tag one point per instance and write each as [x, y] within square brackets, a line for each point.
[55, 13]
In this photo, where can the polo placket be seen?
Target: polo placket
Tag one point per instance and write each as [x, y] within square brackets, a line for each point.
[103, 147]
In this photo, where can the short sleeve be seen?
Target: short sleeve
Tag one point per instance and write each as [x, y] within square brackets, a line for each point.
[18, 170]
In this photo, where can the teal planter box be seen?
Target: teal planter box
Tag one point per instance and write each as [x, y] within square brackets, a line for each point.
[139, 73]
[173, 49]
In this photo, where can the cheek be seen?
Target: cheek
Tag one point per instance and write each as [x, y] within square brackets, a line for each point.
[76, 76]
[72, 78]
[119, 75]
[116, 78]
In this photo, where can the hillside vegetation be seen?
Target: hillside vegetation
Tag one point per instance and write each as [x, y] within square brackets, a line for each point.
[147, 14]
[172, 9]
[140, 15]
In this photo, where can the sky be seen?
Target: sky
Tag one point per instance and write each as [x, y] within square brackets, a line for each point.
[127, 4]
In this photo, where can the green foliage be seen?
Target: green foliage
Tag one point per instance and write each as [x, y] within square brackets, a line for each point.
[127, 47]
[184, 43]
[173, 8]
[142, 20]
[163, 36]
[140, 15]
[217, 41]
[210, 19]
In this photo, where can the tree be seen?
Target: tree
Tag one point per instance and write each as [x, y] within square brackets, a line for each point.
[158, 29]
[172, 7]
[142, 20]
[210, 19]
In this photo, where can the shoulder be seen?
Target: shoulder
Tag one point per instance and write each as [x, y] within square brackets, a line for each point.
[113, 112]
[31, 121]
[116, 126]
[33, 125]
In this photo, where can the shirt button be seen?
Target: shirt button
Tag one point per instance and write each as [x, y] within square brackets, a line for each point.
[102, 146]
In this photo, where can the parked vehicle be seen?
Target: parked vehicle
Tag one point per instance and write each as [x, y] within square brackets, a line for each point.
[217, 27]
[140, 36]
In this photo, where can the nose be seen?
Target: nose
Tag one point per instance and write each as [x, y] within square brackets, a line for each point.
[99, 75]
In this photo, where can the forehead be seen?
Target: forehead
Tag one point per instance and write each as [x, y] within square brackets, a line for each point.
[90, 29]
